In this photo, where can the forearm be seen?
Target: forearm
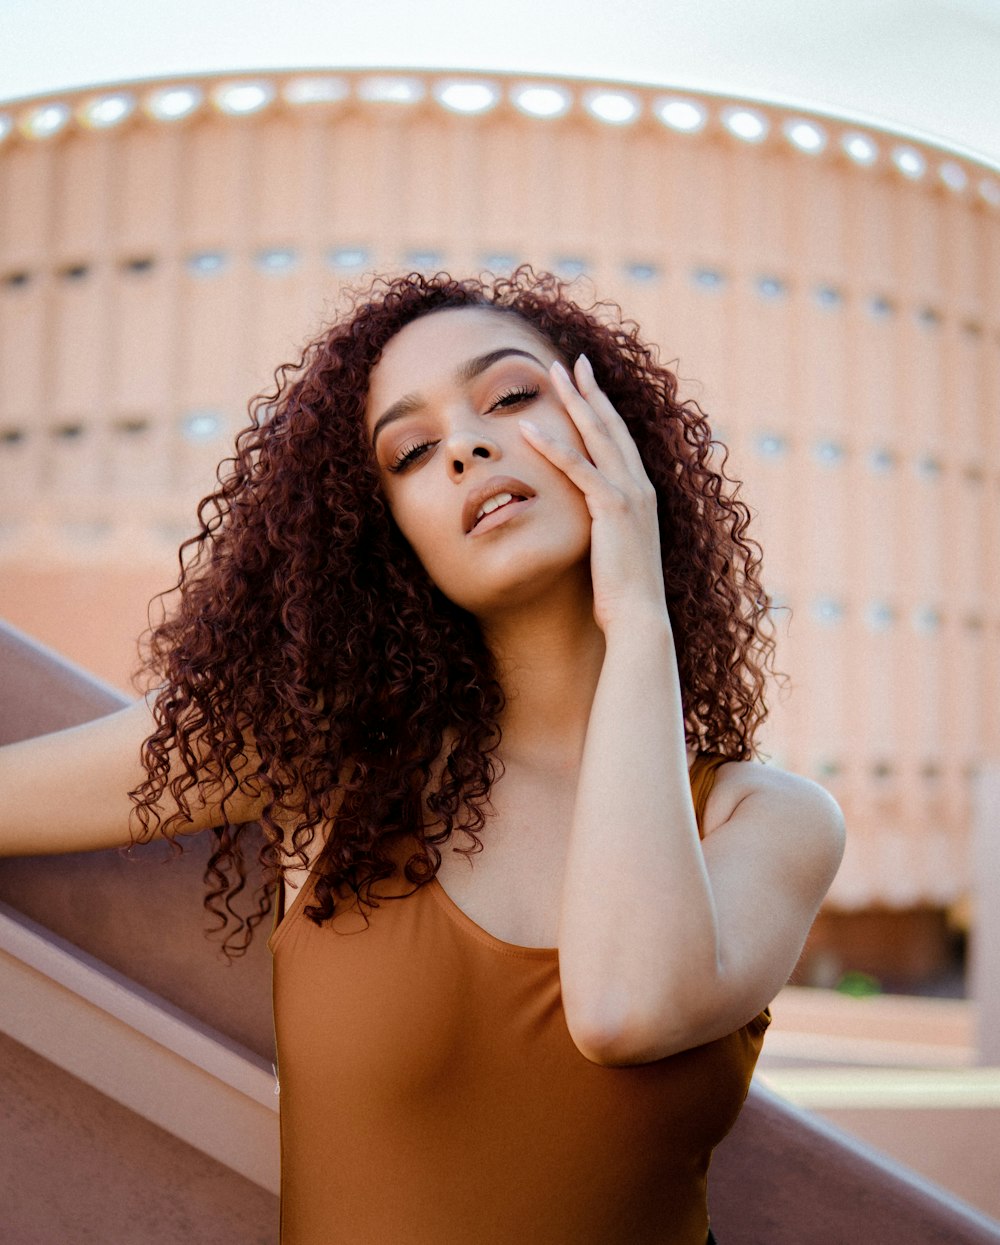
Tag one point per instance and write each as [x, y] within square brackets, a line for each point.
[638, 932]
[69, 791]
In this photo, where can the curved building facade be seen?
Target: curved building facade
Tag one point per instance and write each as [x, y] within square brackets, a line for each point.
[830, 292]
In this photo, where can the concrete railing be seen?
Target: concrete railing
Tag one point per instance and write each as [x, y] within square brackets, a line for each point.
[781, 1177]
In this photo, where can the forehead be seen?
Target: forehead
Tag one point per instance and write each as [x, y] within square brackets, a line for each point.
[427, 352]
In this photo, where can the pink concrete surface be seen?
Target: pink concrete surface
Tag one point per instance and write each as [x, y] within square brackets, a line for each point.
[945, 1024]
[781, 1177]
[957, 1149]
[79, 1168]
[94, 617]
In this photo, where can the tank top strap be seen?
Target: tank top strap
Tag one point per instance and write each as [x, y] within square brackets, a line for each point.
[703, 772]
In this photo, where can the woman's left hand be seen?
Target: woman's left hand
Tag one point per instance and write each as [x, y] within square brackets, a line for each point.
[625, 543]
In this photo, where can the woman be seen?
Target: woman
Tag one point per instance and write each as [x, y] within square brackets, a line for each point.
[472, 570]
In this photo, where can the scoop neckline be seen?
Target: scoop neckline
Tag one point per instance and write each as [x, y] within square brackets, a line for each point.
[462, 919]
[456, 914]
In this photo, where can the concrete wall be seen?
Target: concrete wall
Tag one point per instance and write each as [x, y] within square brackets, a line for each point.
[832, 299]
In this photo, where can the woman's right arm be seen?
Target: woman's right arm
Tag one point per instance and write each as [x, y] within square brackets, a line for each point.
[68, 792]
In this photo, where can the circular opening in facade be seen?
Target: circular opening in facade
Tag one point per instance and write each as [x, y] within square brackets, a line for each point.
[829, 453]
[348, 257]
[172, 103]
[614, 107]
[881, 460]
[388, 89]
[909, 161]
[745, 124]
[132, 426]
[681, 114]
[928, 467]
[953, 176]
[860, 148]
[770, 288]
[541, 101]
[771, 445]
[241, 98]
[989, 191]
[807, 136]
[315, 90]
[44, 121]
[879, 307]
[499, 262]
[277, 259]
[641, 272]
[879, 615]
[709, 278]
[828, 296]
[926, 619]
[827, 610]
[424, 261]
[207, 263]
[470, 98]
[107, 110]
[201, 425]
[569, 267]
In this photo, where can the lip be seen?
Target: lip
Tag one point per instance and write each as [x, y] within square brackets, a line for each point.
[491, 487]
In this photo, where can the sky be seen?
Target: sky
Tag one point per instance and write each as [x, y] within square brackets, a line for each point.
[929, 67]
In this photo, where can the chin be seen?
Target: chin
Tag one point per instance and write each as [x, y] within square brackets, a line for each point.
[521, 585]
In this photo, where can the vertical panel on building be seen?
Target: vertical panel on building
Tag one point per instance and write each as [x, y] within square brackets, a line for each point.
[837, 322]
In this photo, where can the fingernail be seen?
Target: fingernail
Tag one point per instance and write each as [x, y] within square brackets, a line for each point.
[586, 363]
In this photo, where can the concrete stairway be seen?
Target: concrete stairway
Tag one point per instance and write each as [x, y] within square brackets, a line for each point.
[136, 1057]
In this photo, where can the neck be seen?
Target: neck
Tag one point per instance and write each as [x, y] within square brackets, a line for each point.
[549, 654]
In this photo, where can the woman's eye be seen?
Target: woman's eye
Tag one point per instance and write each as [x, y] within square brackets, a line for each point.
[516, 396]
[409, 454]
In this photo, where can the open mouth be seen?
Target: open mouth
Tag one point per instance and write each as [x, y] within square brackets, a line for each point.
[486, 505]
[497, 502]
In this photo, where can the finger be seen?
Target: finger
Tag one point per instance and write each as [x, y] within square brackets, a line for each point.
[584, 474]
[596, 436]
[616, 427]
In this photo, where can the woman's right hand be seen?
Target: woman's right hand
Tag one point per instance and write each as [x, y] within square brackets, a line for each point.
[68, 791]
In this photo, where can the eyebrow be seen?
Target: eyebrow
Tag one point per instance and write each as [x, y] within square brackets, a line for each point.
[465, 373]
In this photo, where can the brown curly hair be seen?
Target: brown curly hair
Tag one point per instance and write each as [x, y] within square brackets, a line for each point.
[308, 637]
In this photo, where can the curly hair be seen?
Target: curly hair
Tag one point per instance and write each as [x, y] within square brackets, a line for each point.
[309, 657]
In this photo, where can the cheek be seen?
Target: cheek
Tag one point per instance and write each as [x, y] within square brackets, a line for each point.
[421, 526]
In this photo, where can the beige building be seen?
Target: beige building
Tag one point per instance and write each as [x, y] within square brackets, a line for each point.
[830, 292]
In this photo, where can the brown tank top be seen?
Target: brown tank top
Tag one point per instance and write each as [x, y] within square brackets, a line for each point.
[431, 1093]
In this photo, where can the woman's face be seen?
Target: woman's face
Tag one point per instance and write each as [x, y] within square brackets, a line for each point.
[493, 522]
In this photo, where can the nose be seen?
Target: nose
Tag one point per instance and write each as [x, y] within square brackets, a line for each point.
[466, 445]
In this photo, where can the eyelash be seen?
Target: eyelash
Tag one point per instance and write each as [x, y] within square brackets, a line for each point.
[408, 456]
[509, 398]
[514, 397]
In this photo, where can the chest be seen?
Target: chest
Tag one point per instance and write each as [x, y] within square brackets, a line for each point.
[513, 887]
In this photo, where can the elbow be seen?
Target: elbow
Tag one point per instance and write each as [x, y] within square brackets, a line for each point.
[618, 1040]
[607, 1050]
[624, 1026]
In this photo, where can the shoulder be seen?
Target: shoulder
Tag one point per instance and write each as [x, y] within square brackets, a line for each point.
[798, 818]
